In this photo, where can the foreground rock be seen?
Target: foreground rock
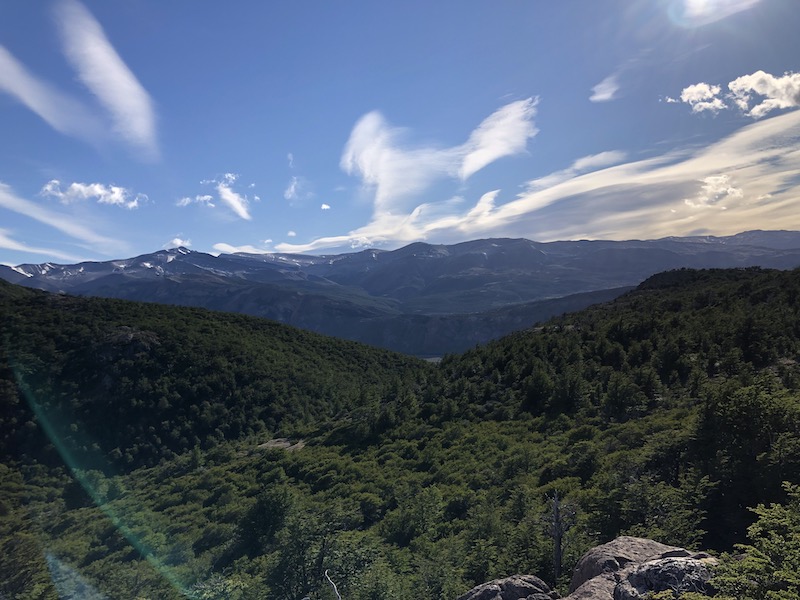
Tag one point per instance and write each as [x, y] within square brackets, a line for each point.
[516, 587]
[630, 568]
[627, 568]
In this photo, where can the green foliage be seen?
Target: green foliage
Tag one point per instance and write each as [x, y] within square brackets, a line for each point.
[769, 567]
[663, 414]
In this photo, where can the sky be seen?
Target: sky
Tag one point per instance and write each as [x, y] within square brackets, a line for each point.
[325, 127]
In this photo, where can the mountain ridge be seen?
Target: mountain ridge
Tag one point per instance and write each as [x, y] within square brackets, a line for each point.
[384, 297]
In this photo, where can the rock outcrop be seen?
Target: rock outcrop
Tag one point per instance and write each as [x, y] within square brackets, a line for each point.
[627, 568]
[516, 587]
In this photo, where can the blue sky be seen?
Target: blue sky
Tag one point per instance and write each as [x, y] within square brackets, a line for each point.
[322, 127]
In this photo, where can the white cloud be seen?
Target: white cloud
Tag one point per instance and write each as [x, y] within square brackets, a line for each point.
[714, 190]
[763, 91]
[753, 173]
[178, 242]
[396, 174]
[291, 233]
[60, 221]
[229, 249]
[236, 202]
[198, 199]
[290, 193]
[62, 112]
[503, 133]
[703, 97]
[104, 194]
[105, 74]
[605, 90]
[580, 165]
[325, 206]
[290, 158]
[778, 92]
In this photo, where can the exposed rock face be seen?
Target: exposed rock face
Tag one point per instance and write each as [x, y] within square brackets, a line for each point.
[613, 556]
[629, 568]
[516, 587]
[676, 573]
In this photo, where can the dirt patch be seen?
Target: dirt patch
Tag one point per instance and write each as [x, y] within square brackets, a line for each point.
[283, 444]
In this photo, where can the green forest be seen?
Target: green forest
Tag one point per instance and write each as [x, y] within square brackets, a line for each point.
[151, 451]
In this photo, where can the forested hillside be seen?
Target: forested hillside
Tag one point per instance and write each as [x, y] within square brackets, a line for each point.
[666, 413]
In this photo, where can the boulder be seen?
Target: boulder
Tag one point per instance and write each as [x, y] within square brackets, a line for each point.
[675, 573]
[630, 568]
[516, 587]
[627, 568]
[614, 556]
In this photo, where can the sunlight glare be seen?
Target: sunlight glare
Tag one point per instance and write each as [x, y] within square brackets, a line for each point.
[694, 13]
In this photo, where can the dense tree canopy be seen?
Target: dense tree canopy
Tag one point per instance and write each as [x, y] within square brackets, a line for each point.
[668, 413]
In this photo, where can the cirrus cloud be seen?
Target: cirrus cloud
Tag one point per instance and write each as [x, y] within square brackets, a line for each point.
[107, 76]
[395, 172]
[753, 173]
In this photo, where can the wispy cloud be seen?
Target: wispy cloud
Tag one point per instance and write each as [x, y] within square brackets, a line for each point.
[753, 173]
[290, 193]
[107, 76]
[224, 248]
[8, 243]
[198, 199]
[755, 95]
[504, 133]
[235, 201]
[605, 90]
[592, 162]
[61, 111]
[60, 221]
[396, 172]
[238, 203]
[103, 194]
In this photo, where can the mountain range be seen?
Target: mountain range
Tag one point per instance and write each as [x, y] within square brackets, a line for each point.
[422, 299]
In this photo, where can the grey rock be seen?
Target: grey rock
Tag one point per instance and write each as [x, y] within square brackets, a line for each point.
[516, 587]
[614, 556]
[679, 574]
[596, 588]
